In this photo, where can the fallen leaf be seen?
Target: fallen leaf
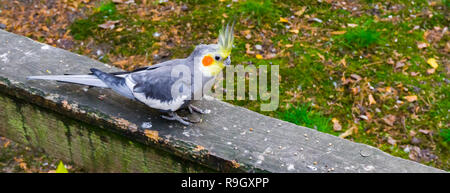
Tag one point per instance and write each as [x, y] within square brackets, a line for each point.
[372, 100]
[392, 141]
[152, 134]
[426, 132]
[5, 145]
[108, 24]
[355, 90]
[338, 32]
[120, 62]
[431, 71]
[156, 18]
[390, 61]
[411, 98]
[348, 132]
[432, 62]
[356, 77]
[352, 25]
[294, 31]
[343, 62]
[259, 56]
[234, 164]
[283, 20]
[23, 165]
[421, 45]
[315, 20]
[389, 119]
[336, 125]
[300, 12]
[45, 28]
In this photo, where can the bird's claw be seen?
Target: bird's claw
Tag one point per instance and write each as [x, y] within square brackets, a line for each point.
[175, 117]
[193, 108]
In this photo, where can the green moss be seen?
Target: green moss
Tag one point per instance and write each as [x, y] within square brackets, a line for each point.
[445, 134]
[258, 10]
[304, 115]
[360, 37]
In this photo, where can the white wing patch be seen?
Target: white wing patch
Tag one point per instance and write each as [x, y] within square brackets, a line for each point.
[172, 105]
[157, 104]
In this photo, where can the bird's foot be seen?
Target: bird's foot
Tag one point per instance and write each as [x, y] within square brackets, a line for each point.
[193, 108]
[175, 117]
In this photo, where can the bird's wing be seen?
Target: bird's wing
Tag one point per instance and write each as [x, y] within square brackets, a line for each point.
[166, 63]
[154, 87]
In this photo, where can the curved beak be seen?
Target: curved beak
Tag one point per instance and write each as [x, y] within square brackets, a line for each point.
[227, 61]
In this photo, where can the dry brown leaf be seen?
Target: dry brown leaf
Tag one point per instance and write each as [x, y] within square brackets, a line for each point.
[389, 119]
[348, 132]
[424, 131]
[108, 24]
[295, 31]
[23, 165]
[336, 125]
[411, 98]
[392, 141]
[343, 62]
[338, 32]
[121, 62]
[300, 12]
[152, 134]
[45, 28]
[5, 145]
[356, 77]
[421, 45]
[234, 164]
[372, 100]
[156, 18]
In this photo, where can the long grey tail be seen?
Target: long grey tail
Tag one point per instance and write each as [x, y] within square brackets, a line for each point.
[114, 82]
[97, 79]
[90, 80]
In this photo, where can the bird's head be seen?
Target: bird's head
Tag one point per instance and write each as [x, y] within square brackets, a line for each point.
[215, 57]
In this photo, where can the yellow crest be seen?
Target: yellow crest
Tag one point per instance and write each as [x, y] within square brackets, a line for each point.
[226, 40]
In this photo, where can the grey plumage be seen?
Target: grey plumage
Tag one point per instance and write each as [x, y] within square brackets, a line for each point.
[90, 80]
[153, 85]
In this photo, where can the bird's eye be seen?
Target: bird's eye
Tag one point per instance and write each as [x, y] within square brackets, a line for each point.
[217, 58]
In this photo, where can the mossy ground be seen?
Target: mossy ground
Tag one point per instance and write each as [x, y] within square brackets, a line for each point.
[358, 62]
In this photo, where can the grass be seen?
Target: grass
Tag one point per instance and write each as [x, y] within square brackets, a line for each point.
[84, 28]
[304, 115]
[445, 134]
[259, 10]
[128, 41]
[361, 37]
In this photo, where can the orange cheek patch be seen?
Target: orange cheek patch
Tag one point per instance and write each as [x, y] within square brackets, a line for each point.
[207, 60]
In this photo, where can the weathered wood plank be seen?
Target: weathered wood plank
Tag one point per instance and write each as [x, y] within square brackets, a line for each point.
[97, 150]
[272, 146]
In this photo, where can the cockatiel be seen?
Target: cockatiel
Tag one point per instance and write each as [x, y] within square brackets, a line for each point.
[154, 85]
